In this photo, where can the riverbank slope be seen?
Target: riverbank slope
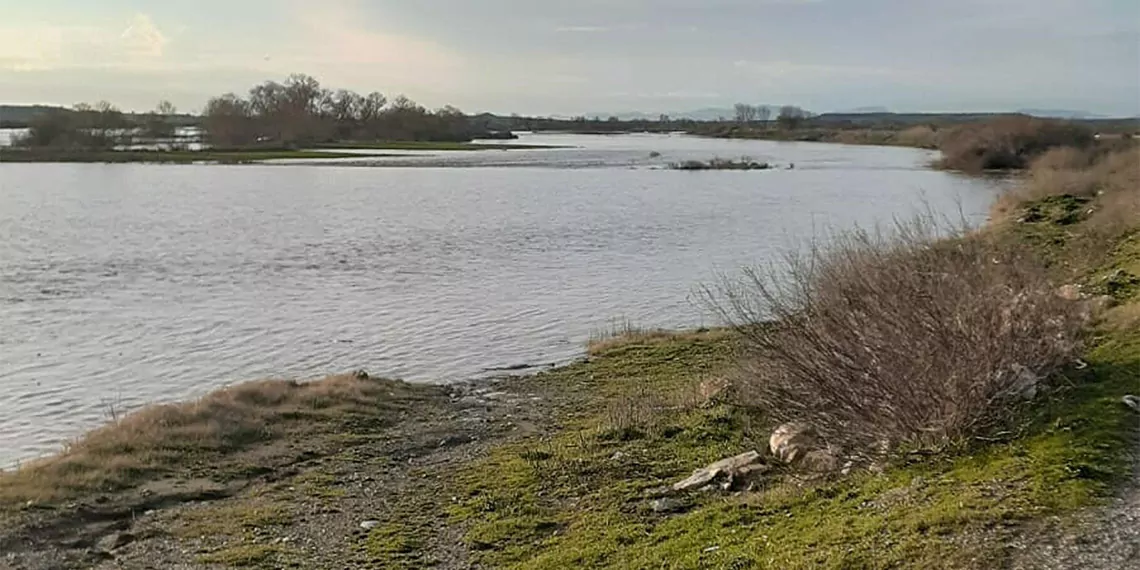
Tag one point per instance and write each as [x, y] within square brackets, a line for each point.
[574, 466]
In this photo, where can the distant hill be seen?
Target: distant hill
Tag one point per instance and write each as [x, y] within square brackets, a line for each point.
[901, 118]
[705, 114]
[865, 110]
[1060, 114]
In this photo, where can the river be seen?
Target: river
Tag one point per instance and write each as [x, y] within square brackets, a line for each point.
[127, 284]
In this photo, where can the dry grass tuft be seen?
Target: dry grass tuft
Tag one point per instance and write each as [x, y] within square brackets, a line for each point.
[1110, 176]
[921, 136]
[623, 332]
[165, 437]
[898, 338]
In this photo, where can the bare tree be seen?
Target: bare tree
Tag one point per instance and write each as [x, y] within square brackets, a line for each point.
[745, 113]
[229, 121]
[791, 117]
[165, 107]
[763, 114]
[157, 126]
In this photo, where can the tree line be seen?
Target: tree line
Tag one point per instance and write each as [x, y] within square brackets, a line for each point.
[99, 126]
[296, 112]
[300, 111]
[789, 116]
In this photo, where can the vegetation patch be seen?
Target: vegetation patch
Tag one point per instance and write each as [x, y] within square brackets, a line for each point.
[720, 164]
[246, 556]
[205, 435]
[580, 497]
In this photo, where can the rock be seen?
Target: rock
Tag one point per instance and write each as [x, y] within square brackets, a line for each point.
[1095, 307]
[617, 456]
[1070, 292]
[790, 442]
[820, 461]
[1132, 402]
[712, 389]
[361, 375]
[369, 525]
[1025, 383]
[847, 468]
[667, 505]
[115, 541]
[732, 471]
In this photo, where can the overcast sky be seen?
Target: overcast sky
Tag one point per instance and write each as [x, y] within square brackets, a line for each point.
[577, 56]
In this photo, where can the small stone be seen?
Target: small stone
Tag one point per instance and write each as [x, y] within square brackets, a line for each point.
[712, 389]
[617, 456]
[369, 525]
[666, 505]
[115, 541]
[819, 461]
[1132, 402]
[1070, 292]
[790, 442]
[725, 468]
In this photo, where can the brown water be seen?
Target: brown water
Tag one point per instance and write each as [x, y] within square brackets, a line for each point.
[127, 284]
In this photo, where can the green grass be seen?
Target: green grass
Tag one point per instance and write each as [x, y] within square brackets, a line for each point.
[578, 498]
[430, 145]
[246, 556]
[176, 157]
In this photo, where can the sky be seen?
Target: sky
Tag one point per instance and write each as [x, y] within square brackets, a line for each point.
[563, 57]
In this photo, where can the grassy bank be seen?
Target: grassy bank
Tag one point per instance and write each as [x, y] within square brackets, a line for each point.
[999, 143]
[572, 467]
[918, 136]
[165, 157]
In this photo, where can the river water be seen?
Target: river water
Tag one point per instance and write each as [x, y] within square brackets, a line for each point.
[127, 284]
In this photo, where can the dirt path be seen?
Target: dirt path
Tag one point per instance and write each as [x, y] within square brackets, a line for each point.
[1105, 538]
[311, 504]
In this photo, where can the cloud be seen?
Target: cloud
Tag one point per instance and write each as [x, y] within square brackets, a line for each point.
[785, 69]
[139, 44]
[582, 29]
[142, 38]
[336, 41]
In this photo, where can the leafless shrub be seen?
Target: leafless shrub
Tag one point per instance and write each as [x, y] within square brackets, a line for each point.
[1008, 142]
[898, 337]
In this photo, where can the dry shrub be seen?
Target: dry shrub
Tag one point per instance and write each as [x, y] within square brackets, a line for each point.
[1008, 142]
[897, 337]
[921, 136]
[163, 437]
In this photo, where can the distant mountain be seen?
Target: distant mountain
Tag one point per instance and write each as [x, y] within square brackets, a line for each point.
[862, 110]
[1060, 114]
[705, 114]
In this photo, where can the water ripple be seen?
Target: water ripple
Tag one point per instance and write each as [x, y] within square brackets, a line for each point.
[122, 285]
